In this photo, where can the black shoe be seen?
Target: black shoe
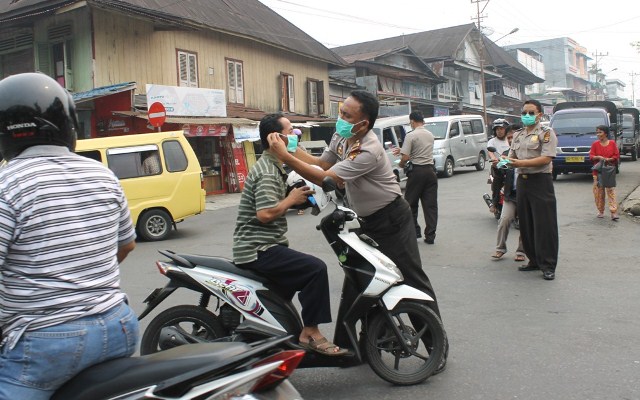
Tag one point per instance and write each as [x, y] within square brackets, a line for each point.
[549, 275]
[528, 267]
[429, 241]
[418, 236]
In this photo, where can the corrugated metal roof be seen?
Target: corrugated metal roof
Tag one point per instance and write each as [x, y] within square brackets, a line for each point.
[440, 44]
[246, 18]
[89, 95]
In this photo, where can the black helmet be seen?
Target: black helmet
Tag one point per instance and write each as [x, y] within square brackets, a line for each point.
[35, 110]
[500, 122]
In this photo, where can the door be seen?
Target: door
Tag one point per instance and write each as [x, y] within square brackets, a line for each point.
[456, 143]
[470, 155]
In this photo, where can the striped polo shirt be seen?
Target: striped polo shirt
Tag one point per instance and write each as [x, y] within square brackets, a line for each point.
[62, 219]
[264, 188]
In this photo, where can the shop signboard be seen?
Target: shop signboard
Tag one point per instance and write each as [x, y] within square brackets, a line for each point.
[188, 101]
[193, 130]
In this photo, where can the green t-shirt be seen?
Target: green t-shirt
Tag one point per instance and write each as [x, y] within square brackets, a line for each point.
[264, 188]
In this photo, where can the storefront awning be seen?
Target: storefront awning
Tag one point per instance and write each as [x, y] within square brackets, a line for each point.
[192, 120]
[89, 95]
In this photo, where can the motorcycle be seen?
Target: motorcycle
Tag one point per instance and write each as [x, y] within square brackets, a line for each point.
[399, 336]
[500, 166]
[195, 371]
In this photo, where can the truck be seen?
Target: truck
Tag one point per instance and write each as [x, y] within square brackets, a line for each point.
[630, 132]
[575, 126]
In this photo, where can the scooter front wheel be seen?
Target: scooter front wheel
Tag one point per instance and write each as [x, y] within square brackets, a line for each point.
[421, 331]
[180, 325]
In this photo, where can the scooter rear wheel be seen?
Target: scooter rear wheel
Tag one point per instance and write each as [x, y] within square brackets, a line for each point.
[192, 323]
[424, 334]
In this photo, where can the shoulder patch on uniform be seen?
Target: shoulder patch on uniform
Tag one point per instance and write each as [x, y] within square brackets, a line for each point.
[354, 151]
[340, 149]
[547, 136]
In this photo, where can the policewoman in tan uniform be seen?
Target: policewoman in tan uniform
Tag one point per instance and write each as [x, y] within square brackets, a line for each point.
[532, 152]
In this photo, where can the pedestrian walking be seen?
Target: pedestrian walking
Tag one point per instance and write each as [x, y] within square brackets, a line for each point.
[604, 153]
[532, 152]
[422, 181]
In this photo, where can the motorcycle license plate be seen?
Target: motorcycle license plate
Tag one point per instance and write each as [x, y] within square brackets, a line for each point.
[575, 159]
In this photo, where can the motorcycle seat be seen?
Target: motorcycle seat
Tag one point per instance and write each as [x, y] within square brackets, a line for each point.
[223, 264]
[124, 375]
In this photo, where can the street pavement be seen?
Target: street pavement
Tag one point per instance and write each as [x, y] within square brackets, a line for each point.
[512, 334]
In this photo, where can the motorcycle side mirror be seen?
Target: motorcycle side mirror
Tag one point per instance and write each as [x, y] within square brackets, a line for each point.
[491, 149]
[328, 184]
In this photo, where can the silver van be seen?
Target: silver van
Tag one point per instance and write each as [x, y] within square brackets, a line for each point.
[391, 132]
[460, 141]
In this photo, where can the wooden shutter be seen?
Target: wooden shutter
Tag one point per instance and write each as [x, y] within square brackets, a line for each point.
[43, 58]
[231, 73]
[239, 84]
[312, 97]
[320, 98]
[193, 70]
[291, 93]
[183, 70]
[283, 92]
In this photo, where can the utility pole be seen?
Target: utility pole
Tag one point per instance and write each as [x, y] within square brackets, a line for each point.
[479, 18]
[597, 71]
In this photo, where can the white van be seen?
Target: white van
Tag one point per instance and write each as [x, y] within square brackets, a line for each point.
[460, 140]
[390, 132]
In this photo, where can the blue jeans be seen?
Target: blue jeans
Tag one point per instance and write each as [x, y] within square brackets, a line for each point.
[43, 360]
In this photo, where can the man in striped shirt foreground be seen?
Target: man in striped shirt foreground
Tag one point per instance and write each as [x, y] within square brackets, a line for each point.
[260, 244]
[64, 228]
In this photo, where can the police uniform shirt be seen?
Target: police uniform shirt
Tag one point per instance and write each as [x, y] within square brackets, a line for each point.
[418, 145]
[369, 180]
[540, 141]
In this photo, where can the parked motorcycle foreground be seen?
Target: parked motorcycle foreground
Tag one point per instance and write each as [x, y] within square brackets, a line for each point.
[196, 371]
[380, 320]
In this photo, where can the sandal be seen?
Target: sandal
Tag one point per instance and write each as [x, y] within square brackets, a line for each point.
[498, 255]
[519, 258]
[323, 346]
[300, 212]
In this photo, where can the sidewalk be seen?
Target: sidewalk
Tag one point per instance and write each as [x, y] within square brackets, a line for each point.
[631, 204]
[219, 201]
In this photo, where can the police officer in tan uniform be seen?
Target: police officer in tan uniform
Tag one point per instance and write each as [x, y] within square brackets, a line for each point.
[356, 159]
[532, 152]
[422, 181]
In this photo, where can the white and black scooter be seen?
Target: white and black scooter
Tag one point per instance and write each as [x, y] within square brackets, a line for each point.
[380, 320]
[196, 371]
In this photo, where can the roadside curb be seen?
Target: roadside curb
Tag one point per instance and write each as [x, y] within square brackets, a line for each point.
[631, 205]
[220, 201]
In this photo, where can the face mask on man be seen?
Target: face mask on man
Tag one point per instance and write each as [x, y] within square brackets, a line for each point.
[344, 128]
[528, 119]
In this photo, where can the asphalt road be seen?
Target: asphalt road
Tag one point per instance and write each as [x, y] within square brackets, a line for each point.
[512, 334]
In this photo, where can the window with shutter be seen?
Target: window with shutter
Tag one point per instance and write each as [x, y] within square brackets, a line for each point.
[187, 69]
[287, 93]
[313, 97]
[235, 82]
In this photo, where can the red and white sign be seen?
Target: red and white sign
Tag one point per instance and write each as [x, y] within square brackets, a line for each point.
[157, 114]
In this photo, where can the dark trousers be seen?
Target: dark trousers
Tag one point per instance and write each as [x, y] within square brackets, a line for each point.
[496, 185]
[538, 219]
[422, 185]
[293, 272]
[393, 229]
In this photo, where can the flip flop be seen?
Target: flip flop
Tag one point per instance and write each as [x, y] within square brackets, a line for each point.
[498, 255]
[323, 346]
[519, 259]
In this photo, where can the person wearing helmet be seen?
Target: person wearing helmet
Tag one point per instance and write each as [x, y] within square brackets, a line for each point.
[64, 229]
[499, 141]
[260, 244]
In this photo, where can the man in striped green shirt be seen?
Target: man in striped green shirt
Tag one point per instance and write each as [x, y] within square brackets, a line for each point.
[260, 244]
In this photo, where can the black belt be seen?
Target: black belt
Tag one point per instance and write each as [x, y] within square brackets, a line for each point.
[531, 176]
[383, 211]
[423, 165]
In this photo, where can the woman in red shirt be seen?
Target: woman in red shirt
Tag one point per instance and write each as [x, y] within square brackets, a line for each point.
[606, 149]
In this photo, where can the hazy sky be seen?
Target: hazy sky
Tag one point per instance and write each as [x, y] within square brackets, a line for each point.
[601, 27]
